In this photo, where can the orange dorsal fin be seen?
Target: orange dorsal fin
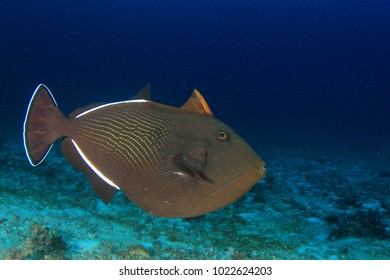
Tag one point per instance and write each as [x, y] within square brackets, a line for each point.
[196, 103]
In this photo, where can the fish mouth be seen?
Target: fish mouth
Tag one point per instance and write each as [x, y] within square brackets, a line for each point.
[223, 185]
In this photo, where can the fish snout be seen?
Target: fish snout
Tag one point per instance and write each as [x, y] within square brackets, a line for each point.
[262, 171]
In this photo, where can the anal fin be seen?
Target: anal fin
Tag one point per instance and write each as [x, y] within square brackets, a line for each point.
[103, 190]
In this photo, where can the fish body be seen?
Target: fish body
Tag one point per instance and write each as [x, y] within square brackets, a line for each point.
[171, 162]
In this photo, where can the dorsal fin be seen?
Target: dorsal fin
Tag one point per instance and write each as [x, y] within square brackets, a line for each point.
[143, 93]
[196, 103]
[80, 110]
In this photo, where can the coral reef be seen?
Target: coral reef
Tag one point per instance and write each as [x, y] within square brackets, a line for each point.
[314, 204]
[43, 243]
[136, 252]
[360, 224]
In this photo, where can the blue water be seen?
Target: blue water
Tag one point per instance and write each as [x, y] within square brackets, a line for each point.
[292, 77]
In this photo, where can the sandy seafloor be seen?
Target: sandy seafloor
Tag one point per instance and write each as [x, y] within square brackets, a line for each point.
[316, 203]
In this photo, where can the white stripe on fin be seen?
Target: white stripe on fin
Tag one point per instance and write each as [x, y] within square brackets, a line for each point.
[109, 104]
[25, 123]
[97, 171]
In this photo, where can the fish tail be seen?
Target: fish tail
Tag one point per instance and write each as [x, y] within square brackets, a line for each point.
[42, 125]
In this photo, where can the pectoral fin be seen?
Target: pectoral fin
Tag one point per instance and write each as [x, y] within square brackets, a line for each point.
[191, 166]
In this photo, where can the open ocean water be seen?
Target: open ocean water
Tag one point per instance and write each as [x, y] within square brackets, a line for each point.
[306, 83]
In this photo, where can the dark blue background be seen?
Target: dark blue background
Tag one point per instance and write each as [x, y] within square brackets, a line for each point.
[277, 71]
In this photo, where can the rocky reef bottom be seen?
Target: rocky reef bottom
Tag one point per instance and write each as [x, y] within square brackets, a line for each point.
[315, 203]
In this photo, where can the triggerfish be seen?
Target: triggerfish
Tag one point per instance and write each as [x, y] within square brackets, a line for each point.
[170, 161]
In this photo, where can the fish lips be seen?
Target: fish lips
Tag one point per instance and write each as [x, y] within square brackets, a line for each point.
[258, 175]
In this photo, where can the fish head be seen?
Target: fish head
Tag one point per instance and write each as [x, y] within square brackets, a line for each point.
[223, 163]
[231, 161]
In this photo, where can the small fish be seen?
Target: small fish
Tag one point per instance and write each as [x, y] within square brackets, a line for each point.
[171, 162]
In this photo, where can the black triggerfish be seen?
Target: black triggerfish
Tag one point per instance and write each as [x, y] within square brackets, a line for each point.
[171, 162]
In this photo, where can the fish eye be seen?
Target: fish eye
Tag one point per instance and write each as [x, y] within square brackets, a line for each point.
[223, 136]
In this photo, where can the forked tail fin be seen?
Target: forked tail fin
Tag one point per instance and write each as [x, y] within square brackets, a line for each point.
[42, 125]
